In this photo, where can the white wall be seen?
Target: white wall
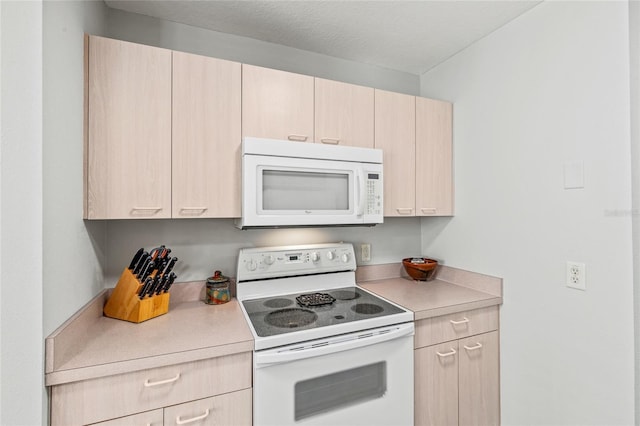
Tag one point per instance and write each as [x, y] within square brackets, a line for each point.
[634, 49]
[21, 351]
[550, 86]
[73, 249]
[171, 35]
[205, 245]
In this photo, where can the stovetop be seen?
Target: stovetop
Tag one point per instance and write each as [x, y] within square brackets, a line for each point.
[285, 314]
[279, 289]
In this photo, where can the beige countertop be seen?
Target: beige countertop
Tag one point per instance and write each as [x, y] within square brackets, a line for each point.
[89, 345]
[453, 290]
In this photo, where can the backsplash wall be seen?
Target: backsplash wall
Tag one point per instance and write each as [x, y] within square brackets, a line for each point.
[204, 245]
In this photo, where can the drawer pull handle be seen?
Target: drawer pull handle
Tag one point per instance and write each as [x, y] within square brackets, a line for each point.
[446, 354]
[405, 211]
[428, 210]
[473, 348]
[299, 138]
[145, 211]
[193, 210]
[330, 141]
[192, 419]
[464, 320]
[148, 384]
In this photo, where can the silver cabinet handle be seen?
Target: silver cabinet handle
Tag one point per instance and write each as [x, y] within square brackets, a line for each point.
[148, 384]
[473, 348]
[192, 419]
[446, 354]
[464, 320]
[330, 141]
[299, 138]
[405, 210]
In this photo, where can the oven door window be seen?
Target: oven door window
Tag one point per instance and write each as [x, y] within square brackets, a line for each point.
[294, 191]
[338, 390]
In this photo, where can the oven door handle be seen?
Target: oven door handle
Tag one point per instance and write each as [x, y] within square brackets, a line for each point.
[332, 345]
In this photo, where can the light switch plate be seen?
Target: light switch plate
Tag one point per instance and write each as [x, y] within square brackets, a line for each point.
[573, 172]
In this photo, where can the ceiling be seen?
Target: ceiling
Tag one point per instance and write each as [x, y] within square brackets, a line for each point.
[410, 36]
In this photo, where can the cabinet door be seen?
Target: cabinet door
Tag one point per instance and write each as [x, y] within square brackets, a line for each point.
[343, 114]
[436, 385]
[395, 122]
[434, 158]
[128, 149]
[206, 137]
[479, 390]
[276, 104]
[229, 409]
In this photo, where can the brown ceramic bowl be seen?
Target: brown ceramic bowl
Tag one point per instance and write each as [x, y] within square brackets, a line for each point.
[420, 268]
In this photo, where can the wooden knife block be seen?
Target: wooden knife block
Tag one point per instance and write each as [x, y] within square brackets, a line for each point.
[124, 303]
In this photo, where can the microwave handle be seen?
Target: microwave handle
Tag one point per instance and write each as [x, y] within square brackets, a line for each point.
[362, 194]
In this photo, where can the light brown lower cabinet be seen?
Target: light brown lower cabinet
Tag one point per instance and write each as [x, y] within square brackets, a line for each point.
[457, 382]
[213, 391]
[229, 409]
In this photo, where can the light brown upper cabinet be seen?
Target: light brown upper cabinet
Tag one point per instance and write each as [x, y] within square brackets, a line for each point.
[395, 123]
[277, 104]
[434, 158]
[206, 137]
[343, 113]
[128, 130]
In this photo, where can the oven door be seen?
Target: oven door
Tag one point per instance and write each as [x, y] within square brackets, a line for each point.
[363, 378]
[283, 191]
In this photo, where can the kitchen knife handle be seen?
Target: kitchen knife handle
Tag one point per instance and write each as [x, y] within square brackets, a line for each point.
[136, 258]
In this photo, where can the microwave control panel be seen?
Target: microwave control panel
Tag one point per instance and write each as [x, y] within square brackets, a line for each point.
[374, 193]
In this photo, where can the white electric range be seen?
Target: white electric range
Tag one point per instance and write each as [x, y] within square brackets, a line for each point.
[326, 350]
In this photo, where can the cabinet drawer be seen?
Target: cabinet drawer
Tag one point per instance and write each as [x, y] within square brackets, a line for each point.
[149, 418]
[229, 409]
[95, 400]
[431, 331]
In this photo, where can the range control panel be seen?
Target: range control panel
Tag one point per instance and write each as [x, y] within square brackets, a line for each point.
[286, 261]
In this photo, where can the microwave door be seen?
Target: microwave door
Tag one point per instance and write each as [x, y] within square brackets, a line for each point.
[303, 193]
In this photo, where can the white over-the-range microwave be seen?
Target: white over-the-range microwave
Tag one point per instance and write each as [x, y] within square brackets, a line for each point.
[289, 184]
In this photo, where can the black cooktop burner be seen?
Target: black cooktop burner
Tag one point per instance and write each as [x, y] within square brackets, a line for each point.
[367, 308]
[315, 299]
[277, 303]
[345, 294]
[290, 318]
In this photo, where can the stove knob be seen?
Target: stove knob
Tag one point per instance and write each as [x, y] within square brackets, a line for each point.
[251, 265]
[331, 255]
[345, 258]
[269, 260]
[315, 256]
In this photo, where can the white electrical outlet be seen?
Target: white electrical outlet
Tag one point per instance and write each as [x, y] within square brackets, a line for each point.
[576, 275]
[365, 252]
